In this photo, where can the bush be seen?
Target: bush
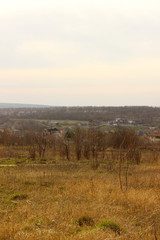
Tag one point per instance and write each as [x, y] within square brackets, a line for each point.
[85, 221]
[110, 225]
[124, 138]
[19, 196]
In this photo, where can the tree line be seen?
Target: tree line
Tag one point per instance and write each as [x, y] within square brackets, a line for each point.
[148, 115]
[76, 144]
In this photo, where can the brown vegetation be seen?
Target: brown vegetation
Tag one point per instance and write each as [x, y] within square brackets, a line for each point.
[93, 185]
[71, 201]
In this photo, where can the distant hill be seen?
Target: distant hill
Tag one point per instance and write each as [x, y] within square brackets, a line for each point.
[19, 105]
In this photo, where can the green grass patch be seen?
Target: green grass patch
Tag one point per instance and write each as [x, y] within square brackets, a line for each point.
[110, 225]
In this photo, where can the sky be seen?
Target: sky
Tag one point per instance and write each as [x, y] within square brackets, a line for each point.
[80, 52]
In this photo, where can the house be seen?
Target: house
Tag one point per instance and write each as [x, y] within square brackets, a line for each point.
[155, 134]
[52, 130]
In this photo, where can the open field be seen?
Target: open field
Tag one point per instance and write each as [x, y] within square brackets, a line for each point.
[83, 184]
[71, 201]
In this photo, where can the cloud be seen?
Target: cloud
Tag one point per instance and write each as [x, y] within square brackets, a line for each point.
[45, 48]
[68, 32]
[138, 72]
[101, 48]
[82, 96]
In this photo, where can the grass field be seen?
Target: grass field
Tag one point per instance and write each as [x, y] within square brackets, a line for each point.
[70, 201]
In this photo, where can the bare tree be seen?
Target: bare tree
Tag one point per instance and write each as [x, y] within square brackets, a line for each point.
[78, 142]
[127, 141]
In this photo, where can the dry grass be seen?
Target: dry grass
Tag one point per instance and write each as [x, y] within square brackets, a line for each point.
[45, 202]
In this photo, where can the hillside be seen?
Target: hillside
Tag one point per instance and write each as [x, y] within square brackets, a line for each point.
[19, 105]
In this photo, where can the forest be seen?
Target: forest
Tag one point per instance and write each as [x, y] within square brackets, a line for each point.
[148, 115]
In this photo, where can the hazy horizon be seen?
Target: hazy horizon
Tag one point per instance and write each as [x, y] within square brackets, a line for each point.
[50, 106]
[80, 53]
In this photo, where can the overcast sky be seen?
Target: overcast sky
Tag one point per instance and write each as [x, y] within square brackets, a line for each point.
[80, 52]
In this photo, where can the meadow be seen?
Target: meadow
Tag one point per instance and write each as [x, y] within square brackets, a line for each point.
[73, 201]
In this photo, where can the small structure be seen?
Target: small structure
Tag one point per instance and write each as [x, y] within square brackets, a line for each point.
[155, 134]
[52, 130]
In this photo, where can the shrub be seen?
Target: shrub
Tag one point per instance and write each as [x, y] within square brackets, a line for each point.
[124, 138]
[19, 196]
[85, 221]
[110, 225]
